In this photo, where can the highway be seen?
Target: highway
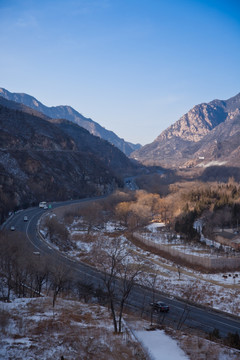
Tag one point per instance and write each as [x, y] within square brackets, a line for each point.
[196, 317]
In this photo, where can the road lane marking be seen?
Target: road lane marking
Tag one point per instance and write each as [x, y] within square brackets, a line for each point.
[28, 235]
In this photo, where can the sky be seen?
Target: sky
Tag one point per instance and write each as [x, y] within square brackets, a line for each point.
[133, 66]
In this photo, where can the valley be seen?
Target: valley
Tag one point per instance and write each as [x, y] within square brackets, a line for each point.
[122, 232]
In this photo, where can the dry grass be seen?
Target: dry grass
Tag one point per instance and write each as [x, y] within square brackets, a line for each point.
[199, 348]
[73, 330]
[79, 331]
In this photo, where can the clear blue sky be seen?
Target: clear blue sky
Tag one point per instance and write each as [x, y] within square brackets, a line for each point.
[134, 66]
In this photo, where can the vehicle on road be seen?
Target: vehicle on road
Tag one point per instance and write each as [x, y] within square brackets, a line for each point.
[42, 204]
[159, 306]
[12, 228]
[25, 218]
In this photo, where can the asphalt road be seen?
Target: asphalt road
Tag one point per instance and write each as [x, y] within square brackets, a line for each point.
[202, 318]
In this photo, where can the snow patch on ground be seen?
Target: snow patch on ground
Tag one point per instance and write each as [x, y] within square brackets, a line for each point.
[33, 329]
[160, 346]
[153, 227]
[211, 163]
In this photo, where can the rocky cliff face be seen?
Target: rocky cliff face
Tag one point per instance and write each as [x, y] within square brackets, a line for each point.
[67, 112]
[223, 142]
[41, 158]
[198, 122]
[195, 135]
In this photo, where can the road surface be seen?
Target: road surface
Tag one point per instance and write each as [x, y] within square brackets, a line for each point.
[202, 318]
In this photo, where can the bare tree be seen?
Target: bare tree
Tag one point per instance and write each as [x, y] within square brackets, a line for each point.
[58, 233]
[151, 282]
[122, 212]
[14, 262]
[60, 277]
[119, 277]
[85, 290]
[93, 215]
[190, 295]
[179, 271]
[40, 273]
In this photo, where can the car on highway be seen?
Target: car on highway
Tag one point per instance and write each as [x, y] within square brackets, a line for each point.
[159, 306]
[25, 218]
[12, 228]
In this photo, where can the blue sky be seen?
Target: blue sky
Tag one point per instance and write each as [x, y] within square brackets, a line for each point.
[133, 66]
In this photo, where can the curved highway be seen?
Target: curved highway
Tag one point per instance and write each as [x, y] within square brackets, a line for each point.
[196, 317]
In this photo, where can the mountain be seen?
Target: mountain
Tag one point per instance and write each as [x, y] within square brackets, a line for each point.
[49, 159]
[68, 113]
[208, 132]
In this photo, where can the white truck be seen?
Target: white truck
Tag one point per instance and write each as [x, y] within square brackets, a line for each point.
[43, 204]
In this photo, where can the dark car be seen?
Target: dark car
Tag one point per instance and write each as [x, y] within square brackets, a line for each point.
[160, 306]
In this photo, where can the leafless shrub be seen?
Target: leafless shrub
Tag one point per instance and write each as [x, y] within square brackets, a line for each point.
[47, 326]
[60, 278]
[4, 319]
[56, 229]
[200, 348]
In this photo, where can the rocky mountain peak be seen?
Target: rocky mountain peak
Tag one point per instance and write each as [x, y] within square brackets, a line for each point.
[194, 125]
[184, 141]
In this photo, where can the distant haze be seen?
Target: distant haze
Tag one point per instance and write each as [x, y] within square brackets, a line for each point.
[134, 67]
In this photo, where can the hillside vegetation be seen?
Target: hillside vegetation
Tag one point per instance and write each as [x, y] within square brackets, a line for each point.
[43, 159]
[217, 204]
[67, 112]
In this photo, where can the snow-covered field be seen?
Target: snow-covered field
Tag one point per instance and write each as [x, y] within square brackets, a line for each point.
[31, 329]
[220, 291]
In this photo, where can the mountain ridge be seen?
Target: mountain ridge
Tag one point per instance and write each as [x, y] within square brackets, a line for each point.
[52, 159]
[69, 113]
[182, 143]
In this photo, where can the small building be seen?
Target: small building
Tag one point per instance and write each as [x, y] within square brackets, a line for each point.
[228, 238]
